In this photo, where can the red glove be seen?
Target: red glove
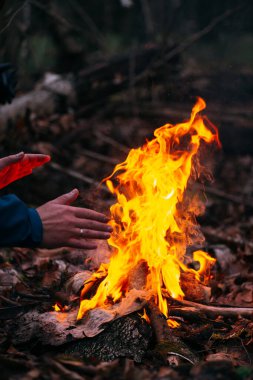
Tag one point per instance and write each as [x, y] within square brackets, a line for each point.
[19, 165]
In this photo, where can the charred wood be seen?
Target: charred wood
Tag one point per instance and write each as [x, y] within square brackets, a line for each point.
[126, 337]
[193, 289]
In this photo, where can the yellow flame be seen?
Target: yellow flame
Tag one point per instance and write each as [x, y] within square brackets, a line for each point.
[153, 218]
[172, 323]
[145, 316]
[56, 307]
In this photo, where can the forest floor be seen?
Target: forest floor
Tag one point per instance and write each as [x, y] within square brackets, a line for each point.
[84, 151]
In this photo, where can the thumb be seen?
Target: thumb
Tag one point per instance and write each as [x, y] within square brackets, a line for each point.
[68, 198]
[6, 161]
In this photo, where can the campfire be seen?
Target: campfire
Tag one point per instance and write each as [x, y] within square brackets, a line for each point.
[151, 259]
[154, 275]
[154, 218]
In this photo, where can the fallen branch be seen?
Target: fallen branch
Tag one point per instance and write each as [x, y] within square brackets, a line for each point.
[98, 156]
[46, 99]
[62, 370]
[213, 311]
[112, 142]
[191, 40]
[221, 237]
[168, 345]
[80, 177]
[236, 133]
[11, 312]
[228, 197]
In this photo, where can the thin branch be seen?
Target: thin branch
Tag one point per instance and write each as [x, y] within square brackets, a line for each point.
[112, 142]
[94, 32]
[191, 40]
[80, 177]
[56, 16]
[147, 17]
[98, 156]
[228, 197]
[13, 16]
[9, 301]
[213, 311]
[181, 356]
[224, 238]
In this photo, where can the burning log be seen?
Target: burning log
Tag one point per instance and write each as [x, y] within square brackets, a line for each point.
[126, 337]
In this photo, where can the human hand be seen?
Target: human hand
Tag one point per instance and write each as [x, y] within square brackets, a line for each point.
[19, 165]
[68, 226]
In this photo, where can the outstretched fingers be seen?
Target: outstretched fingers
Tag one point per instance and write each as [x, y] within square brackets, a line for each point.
[81, 244]
[84, 213]
[35, 160]
[92, 225]
[82, 233]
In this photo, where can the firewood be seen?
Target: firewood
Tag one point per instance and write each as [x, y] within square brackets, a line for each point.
[169, 346]
[62, 370]
[194, 290]
[214, 311]
[126, 337]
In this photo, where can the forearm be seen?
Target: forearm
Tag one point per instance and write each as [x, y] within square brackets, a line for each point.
[19, 225]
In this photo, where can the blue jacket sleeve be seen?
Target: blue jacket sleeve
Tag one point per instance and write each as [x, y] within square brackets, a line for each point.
[20, 226]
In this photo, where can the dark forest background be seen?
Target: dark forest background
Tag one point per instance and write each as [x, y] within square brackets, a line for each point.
[134, 65]
[63, 36]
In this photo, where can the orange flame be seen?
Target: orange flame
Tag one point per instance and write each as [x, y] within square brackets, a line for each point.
[154, 217]
[145, 316]
[57, 307]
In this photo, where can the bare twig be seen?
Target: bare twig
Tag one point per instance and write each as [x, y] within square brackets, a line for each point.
[181, 356]
[13, 17]
[112, 142]
[80, 177]
[214, 311]
[62, 370]
[191, 40]
[147, 17]
[41, 297]
[9, 301]
[222, 237]
[228, 197]
[56, 16]
[94, 32]
[98, 156]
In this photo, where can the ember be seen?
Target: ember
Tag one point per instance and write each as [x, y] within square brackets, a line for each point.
[154, 218]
